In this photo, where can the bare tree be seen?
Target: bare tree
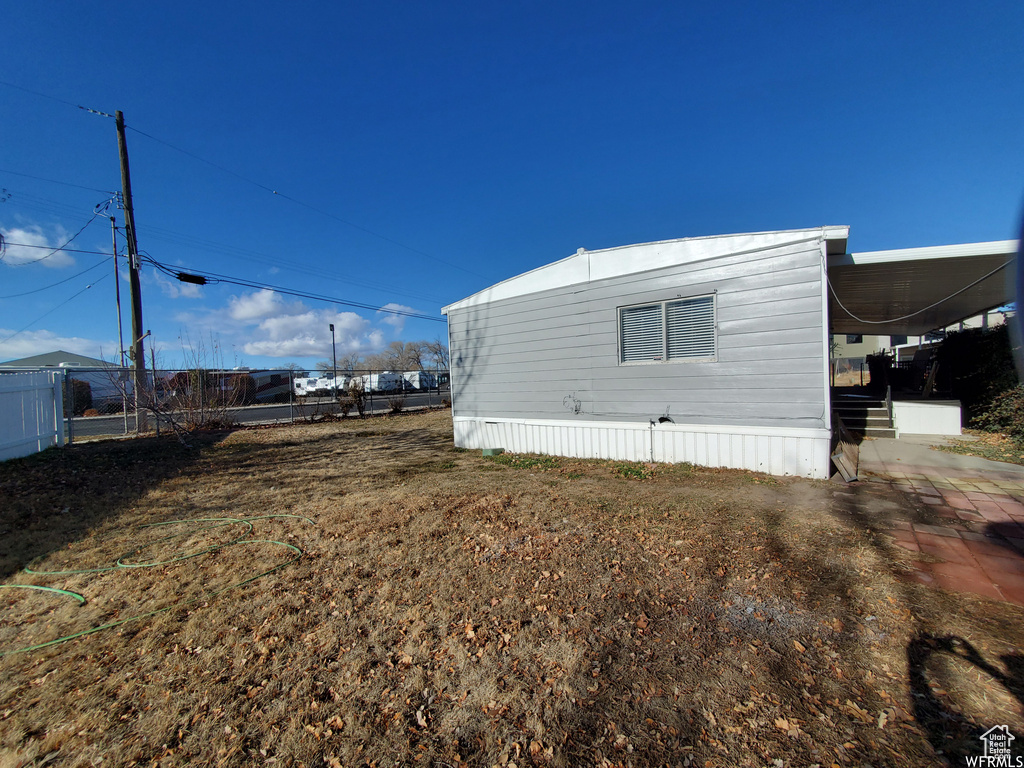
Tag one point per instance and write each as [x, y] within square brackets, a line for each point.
[404, 355]
[200, 396]
[350, 362]
[437, 353]
[377, 362]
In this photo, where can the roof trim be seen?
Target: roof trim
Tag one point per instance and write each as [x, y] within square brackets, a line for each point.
[605, 263]
[991, 248]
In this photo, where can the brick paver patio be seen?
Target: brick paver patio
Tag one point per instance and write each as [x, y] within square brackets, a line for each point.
[980, 547]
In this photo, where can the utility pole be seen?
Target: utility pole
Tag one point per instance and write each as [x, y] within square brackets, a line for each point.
[120, 335]
[334, 351]
[138, 355]
[117, 289]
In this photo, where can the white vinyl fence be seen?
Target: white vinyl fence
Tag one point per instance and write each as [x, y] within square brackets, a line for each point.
[31, 413]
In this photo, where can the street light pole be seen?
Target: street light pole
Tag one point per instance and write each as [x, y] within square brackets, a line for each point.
[334, 353]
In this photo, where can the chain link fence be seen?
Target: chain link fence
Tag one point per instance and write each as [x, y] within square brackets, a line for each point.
[102, 401]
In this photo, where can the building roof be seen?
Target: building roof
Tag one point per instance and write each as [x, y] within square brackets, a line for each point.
[587, 266]
[57, 359]
[909, 291]
[915, 290]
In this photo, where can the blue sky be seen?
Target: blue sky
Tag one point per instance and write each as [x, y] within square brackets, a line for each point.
[423, 151]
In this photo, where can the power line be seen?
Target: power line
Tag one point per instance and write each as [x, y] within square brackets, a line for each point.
[203, 278]
[55, 181]
[33, 202]
[37, 93]
[50, 312]
[55, 98]
[264, 187]
[54, 285]
[66, 250]
[313, 208]
[99, 209]
[276, 262]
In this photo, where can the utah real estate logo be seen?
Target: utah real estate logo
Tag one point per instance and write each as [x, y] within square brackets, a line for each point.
[998, 752]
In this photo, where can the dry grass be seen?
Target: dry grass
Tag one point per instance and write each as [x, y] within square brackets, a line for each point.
[453, 609]
[987, 445]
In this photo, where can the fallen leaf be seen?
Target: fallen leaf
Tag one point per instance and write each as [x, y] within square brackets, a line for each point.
[799, 646]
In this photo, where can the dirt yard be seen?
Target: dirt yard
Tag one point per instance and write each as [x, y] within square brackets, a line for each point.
[363, 593]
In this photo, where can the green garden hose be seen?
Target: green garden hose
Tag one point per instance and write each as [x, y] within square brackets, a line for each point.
[119, 564]
[75, 595]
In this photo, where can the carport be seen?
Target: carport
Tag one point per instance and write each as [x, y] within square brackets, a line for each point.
[916, 290]
[911, 292]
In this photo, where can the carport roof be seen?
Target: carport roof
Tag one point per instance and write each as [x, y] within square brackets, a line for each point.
[915, 290]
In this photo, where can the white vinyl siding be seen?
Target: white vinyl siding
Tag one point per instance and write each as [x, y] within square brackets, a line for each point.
[520, 357]
[682, 329]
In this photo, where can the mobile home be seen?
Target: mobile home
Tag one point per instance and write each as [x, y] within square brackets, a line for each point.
[709, 350]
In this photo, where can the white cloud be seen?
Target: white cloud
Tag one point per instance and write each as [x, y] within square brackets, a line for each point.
[30, 343]
[298, 346]
[255, 306]
[308, 334]
[395, 321]
[31, 245]
[262, 323]
[175, 289]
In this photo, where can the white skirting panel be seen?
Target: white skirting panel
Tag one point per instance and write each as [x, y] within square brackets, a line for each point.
[784, 451]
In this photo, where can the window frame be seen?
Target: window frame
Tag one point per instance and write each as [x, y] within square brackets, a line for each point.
[663, 306]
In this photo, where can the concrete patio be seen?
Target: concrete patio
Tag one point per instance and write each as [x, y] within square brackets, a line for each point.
[980, 549]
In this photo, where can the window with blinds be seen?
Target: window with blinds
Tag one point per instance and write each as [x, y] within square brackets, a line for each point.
[682, 329]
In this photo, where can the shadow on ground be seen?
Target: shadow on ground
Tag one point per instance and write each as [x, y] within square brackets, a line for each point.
[54, 498]
[948, 731]
[938, 657]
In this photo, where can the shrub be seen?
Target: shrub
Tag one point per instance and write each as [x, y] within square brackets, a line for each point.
[358, 395]
[1004, 413]
[525, 461]
[633, 471]
[242, 389]
[976, 367]
[396, 402]
[81, 396]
